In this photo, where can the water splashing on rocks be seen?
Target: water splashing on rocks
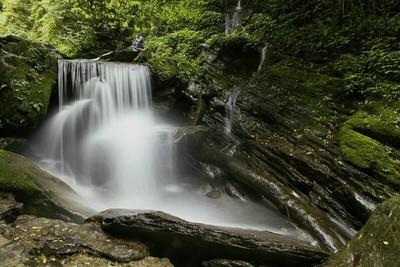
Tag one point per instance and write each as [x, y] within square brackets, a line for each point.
[106, 142]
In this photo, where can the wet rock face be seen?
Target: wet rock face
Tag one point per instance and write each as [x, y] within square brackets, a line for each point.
[377, 243]
[178, 239]
[28, 73]
[287, 129]
[41, 193]
[32, 240]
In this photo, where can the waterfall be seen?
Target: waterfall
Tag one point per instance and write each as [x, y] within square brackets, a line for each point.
[262, 57]
[231, 112]
[108, 144]
[105, 134]
[233, 20]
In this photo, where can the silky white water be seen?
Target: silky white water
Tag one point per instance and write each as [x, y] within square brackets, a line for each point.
[262, 56]
[231, 111]
[109, 146]
[233, 19]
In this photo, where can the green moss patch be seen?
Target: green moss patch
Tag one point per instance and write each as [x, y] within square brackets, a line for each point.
[33, 187]
[377, 243]
[384, 126]
[15, 179]
[368, 141]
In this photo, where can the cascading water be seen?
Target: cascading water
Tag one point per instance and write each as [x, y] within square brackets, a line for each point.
[263, 56]
[231, 112]
[107, 143]
[232, 20]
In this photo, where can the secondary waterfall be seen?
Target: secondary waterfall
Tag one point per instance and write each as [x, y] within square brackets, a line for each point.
[233, 19]
[231, 111]
[106, 142]
[264, 51]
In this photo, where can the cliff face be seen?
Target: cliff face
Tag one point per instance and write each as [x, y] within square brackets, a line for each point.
[321, 112]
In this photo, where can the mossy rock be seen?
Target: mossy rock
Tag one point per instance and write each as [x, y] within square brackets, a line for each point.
[376, 244]
[370, 142]
[383, 126]
[15, 145]
[41, 193]
[28, 73]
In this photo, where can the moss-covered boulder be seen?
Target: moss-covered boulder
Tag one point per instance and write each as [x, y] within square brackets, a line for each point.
[371, 141]
[41, 193]
[28, 73]
[377, 243]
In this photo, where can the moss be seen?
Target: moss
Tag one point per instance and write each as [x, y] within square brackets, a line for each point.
[359, 144]
[33, 187]
[377, 242]
[15, 180]
[383, 126]
[28, 74]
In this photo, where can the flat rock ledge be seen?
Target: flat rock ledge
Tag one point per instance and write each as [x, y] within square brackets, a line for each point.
[188, 244]
[32, 241]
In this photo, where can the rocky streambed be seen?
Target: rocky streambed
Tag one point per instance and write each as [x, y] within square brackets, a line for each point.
[29, 237]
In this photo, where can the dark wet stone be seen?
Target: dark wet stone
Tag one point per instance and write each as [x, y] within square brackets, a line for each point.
[177, 239]
[9, 208]
[226, 263]
[286, 200]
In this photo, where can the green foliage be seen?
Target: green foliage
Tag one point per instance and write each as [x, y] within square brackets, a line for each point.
[175, 54]
[28, 71]
[15, 17]
[375, 72]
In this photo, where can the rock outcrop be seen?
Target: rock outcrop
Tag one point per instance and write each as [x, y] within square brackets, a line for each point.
[188, 244]
[288, 129]
[28, 73]
[41, 193]
[377, 243]
[32, 241]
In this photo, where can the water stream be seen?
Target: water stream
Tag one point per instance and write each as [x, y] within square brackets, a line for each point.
[263, 55]
[231, 111]
[106, 142]
[233, 18]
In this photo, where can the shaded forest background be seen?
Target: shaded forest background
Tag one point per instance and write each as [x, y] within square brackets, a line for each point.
[356, 39]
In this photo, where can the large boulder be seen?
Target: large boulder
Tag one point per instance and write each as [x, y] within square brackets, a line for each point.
[188, 244]
[41, 193]
[28, 73]
[377, 243]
